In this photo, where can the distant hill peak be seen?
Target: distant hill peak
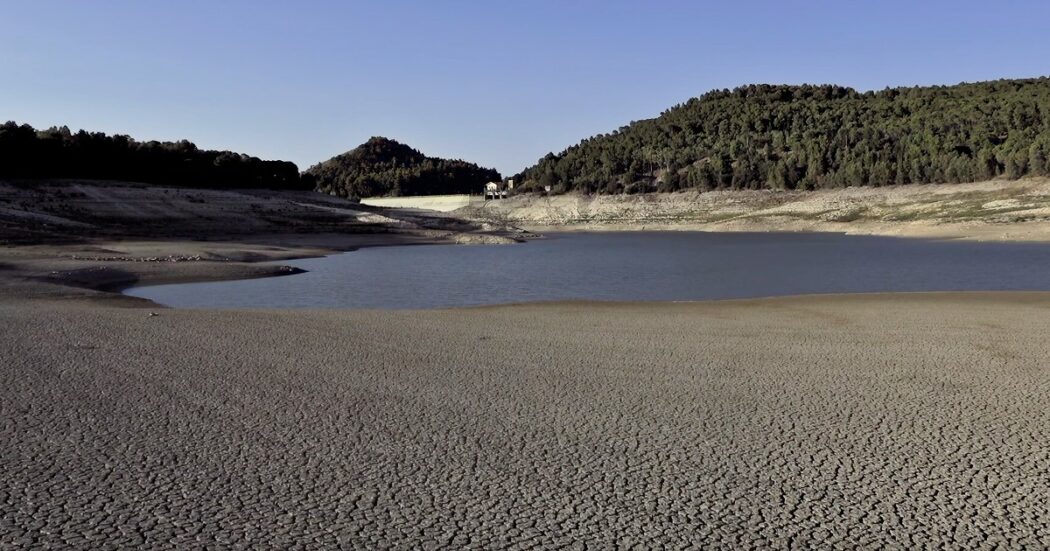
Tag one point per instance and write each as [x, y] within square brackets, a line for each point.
[385, 167]
[379, 149]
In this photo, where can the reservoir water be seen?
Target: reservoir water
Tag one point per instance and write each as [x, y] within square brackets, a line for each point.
[629, 266]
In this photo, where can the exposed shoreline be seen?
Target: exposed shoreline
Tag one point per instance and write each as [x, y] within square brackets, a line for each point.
[85, 239]
[1016, 233]
[984, 211]
[135, 254]
[100, 271]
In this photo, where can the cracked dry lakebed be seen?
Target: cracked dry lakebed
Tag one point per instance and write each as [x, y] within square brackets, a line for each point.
[901, 421]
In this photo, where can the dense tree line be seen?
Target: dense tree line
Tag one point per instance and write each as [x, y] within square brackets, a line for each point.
[807, 137]
[59, 153]
[384, 167]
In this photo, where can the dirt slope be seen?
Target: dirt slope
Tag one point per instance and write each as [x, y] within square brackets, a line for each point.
[49, 211]
[1011, 210]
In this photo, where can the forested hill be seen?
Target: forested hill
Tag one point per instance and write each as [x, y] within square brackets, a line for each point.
[58, 153]
[384, 167]
[805, 137]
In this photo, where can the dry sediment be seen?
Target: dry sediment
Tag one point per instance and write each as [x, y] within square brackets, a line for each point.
[987, 211]
[64, 211]
[854, 421]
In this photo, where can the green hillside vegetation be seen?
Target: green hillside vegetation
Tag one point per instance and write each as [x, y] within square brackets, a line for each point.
[26, 153]
[809, 137]
[384, 167]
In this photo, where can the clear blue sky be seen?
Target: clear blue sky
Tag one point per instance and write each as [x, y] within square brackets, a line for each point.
[496, 82]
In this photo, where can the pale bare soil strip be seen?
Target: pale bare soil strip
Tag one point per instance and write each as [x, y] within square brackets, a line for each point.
[997, 210]
[904, 421]
[60, 211]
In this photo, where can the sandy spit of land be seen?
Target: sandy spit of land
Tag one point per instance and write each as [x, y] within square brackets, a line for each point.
[906, 421]
[987, 211]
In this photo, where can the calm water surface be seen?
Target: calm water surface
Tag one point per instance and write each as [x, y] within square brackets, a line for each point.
[626, 266]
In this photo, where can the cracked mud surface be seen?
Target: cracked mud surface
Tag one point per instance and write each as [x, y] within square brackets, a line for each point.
[901, 421]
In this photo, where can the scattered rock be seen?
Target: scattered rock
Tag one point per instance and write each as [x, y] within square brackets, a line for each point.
[481, 239]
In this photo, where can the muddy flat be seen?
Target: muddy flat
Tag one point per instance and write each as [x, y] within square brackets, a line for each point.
[913, 420]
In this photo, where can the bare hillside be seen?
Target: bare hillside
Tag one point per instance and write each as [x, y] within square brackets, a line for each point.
[1013, 210]
[63, 210]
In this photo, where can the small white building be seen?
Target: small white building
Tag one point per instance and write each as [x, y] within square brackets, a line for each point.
[497, 190]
